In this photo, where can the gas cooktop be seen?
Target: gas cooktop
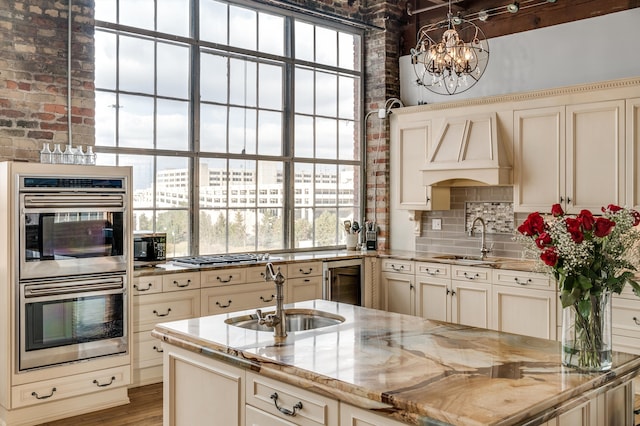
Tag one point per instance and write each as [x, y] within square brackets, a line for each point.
[221, 259]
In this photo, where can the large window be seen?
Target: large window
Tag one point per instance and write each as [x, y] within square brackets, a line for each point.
[242, 124]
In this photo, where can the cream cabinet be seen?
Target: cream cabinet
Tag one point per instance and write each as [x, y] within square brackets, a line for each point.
[471, 296]
[398, 286]
[304, 281]
[433, 291]
[518, 297]
[573, 155]
[159, 298]
[409, 155]
[633, 152]
[625, 314]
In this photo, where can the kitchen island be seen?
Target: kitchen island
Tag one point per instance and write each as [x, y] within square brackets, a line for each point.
[384, 369]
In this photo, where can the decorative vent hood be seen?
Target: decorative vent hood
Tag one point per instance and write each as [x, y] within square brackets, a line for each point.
[468, 152]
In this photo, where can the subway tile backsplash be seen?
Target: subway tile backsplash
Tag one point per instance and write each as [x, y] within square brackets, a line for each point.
[466, 202]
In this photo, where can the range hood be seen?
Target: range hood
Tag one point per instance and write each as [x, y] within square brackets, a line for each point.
[467, 152]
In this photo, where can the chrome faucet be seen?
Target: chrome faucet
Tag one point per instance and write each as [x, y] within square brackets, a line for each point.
[483, 247]
[277, 320]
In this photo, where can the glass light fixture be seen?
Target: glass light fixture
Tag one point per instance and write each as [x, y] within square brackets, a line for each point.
[443, 61]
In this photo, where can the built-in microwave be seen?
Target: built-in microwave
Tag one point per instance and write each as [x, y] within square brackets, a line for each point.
[149, 248]
[71, 226]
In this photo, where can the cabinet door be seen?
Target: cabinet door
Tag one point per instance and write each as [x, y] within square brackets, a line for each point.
[539, 136]
[399, 291]
[433, 298]
[513, 309]
[354, 416]
[633, 153]
[595, 155]
[471, 303]
[299, 289]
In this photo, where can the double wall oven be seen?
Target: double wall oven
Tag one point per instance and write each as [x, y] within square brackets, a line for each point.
[73, 243]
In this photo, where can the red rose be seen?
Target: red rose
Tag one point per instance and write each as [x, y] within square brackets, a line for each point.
[537, 222]
[636, 217]
[556, 210]
[543, 240]
[549, 256]
[603, 227]
[525, 228]
[612, 208]
[577, 236]
[573, 224]
[586, 219]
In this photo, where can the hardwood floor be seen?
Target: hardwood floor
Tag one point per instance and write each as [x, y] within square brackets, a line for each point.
[145, 409]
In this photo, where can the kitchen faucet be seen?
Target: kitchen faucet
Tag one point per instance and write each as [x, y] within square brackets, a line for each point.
[483, 247]
[276, 320]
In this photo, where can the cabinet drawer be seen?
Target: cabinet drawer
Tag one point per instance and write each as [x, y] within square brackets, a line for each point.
[399, 266]
[523, 279]
[147, 285]
[223, 277]
[316, 409]
[219, 300]
[147, 350]
[470, 273]
[299, 289]
[303, 269]
[253, 416]
[439, 270]
[182, 281]
[256, 274]
[625, 315]
[69, 386]
[150, 309]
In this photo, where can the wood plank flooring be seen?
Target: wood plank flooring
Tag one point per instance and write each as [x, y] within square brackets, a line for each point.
[145, 409]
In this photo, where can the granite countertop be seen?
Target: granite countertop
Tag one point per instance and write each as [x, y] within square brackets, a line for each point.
[328, 255]
[412, 369]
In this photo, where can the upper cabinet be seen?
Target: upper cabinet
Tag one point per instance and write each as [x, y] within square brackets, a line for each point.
[633, 152]
[411, 140]
[573, 155]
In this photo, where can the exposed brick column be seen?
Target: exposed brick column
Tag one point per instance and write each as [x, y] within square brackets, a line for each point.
[382, 81]
[33, 76]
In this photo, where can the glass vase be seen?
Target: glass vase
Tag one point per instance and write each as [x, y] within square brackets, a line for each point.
[45, 154]
[586, 334]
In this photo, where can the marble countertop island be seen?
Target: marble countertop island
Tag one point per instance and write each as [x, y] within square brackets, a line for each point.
[410, 369]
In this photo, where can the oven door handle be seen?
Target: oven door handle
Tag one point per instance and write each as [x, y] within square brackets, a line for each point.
[40, 290]
[70, 200]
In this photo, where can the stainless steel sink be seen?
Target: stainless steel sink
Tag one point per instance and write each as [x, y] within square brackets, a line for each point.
[295, 320]
[468, 260]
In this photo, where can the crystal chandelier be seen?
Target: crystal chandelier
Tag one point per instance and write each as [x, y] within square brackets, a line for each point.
[443, 61]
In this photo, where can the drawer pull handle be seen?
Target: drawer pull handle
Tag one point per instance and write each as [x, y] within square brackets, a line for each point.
[162, 315]
[157, 349]
[224, 306]
[395, 268]
[187, 284]
[43, 396]
[306, 273]
[430, 272]
[149, 285]
[283, 410]
[104, 385]
[265, 300]
[225, 281]
[471, 277]
[635, 319]
[528, 281]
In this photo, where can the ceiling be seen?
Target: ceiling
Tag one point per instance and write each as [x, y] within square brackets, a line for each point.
[532, 14]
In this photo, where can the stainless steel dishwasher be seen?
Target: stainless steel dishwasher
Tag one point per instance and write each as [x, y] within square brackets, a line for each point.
[343, 281]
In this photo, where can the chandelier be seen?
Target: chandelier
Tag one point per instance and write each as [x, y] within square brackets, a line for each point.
[443, 61]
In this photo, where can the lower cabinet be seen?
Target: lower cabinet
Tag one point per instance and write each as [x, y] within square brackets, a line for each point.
[399, 292]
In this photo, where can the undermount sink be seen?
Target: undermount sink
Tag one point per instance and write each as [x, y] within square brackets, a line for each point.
[468, 260]
[295, 320]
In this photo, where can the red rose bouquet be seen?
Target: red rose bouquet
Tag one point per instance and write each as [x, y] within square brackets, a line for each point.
[586, 254]
[590, 257]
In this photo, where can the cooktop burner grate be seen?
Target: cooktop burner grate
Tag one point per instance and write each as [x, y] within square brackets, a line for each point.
[221, 259]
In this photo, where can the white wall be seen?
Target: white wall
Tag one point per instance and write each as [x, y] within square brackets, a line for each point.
[587, 51]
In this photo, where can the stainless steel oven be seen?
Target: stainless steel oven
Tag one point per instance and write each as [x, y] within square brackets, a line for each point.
[72, 319]
[71, 225]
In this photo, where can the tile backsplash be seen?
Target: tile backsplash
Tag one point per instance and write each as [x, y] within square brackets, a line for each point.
[453, 237]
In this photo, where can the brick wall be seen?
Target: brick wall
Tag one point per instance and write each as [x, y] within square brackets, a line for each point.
[33, 76]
